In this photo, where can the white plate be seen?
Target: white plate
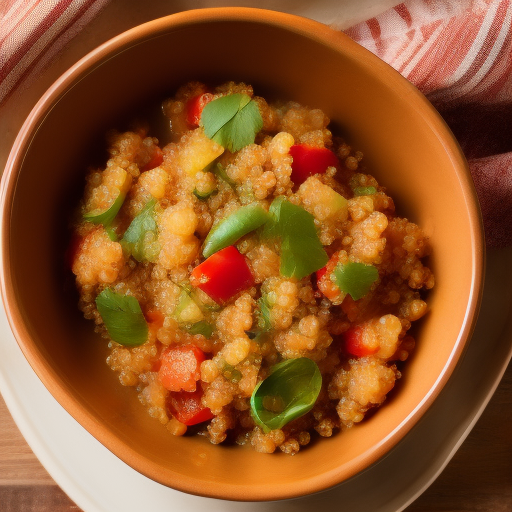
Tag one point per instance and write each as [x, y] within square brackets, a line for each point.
[99, 482]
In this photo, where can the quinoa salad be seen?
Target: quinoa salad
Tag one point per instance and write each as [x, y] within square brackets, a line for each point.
[251, 279]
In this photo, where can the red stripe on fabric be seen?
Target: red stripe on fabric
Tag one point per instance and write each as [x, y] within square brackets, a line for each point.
[428, 30]
[374, 26]
[83, 8]
[488, 91]
[404, 13]
[19, 22]
[405, 45]
[490, 40]
[432, 28]
[40, 29]
[493, 181]
[354, 32]
[447, 53]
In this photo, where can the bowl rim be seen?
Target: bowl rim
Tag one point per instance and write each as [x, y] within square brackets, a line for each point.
[311, 30]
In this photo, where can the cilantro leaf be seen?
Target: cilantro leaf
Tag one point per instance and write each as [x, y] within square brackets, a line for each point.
[232, 121]
[355, 279]
[302, 252]
[122, 317]
[140, 239]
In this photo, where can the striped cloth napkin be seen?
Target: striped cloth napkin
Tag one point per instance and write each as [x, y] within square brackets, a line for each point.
[457, 52]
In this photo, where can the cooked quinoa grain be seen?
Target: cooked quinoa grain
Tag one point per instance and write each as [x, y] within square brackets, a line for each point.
[209, 336]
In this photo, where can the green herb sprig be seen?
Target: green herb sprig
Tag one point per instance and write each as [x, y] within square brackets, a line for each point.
[122, 317]
[232, 121]
[140, 239]
[355, 279]
[302, 252]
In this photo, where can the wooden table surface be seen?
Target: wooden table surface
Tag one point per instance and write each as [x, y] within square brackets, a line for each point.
[477, 479]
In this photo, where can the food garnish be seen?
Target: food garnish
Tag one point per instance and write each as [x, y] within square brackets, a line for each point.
[233, 227]
[302, 252]
[289, 392]
[122, 317]
[232, 121]
[141, 237]
[355, 279]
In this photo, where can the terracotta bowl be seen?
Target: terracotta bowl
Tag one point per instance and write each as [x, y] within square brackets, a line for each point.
[408, 148]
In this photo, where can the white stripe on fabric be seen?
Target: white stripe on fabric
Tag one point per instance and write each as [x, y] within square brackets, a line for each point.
[15, 12]
[9, 21]
[24, 31]
[65, 37]
[409, 51]
[366, 38]
[462, 89]
[36, 49]
[478, 42]
[426, 47]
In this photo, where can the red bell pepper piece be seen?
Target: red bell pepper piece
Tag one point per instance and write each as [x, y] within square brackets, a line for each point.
[309, 160]
[180, 367]
[355, 342]
[154, 317]
[187, 407]
[324, 282]
[223, 274]
[194, 108]
[156, 159]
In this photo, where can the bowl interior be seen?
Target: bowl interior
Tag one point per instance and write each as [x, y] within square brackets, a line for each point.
[408, 150]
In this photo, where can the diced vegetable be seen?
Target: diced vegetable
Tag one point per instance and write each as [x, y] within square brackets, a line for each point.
[302, 252]
[263, 314]
[230, 373]
[322, 201]
[232, 121]
[223, 275]
[141, 237]
[355, 279]
[107, 216]
[187, 310]
[336, 203]
[309, 160]
[155, 320]
[181, 367]
[187, 408]
[219, 171]
[122, 317]
[364, 191]
[194, 108]
[203, 196]
[198, 153]
[233, 227]
[357, 344]
[156, 159]
[202, 327]
[325, 283]
[290, 391]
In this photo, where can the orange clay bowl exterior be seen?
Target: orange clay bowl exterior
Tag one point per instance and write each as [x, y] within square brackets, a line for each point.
[407, 146]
